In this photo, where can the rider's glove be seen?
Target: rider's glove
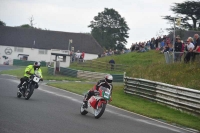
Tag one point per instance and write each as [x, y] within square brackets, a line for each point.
[41, 79]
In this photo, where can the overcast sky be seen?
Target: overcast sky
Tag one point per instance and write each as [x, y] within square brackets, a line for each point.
[143, 16]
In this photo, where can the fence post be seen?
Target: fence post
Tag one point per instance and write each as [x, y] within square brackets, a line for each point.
[124, 76]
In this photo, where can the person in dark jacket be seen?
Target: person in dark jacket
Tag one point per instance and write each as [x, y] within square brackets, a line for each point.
[177, 49]
[112, 63]
[196, 49]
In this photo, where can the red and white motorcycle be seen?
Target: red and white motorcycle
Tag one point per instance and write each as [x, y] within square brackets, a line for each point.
[97, 103]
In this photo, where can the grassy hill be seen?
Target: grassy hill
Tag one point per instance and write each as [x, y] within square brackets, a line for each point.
[151, 65]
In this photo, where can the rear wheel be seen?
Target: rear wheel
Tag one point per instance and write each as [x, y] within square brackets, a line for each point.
[99, 111]
[29, 91]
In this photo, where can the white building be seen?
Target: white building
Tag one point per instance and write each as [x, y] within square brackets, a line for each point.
[42, 45]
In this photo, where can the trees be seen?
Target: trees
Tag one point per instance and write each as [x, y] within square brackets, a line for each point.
[2, 23]
[110, 29]
[26, 26]
[189, 11]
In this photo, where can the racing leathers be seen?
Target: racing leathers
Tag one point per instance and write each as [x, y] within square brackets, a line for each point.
[100, 83]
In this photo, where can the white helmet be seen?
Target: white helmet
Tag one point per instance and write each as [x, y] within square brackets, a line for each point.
[109, 79]
[36, 64]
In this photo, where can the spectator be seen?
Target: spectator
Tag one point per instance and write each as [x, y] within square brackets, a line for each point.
[196, 47]
[111, 52]
[132, 47]
[153, 43]
[162, 44]
[156, 42]
[112, 63]
[190, 47]
[177, 49]
[82, 56]
[148, 45]
[77, 55]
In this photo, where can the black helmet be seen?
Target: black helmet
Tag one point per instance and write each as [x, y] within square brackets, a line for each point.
[36, 64]
[109, 79]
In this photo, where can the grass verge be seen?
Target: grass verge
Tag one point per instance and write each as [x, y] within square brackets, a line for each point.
[20, 72]
[139, 105]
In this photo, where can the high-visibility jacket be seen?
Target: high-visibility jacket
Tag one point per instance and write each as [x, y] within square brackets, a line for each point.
[30, 69]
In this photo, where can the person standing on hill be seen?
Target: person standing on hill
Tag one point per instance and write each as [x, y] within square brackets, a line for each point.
[112, 63]
[196, 46]
[177, 49]
[190, 48]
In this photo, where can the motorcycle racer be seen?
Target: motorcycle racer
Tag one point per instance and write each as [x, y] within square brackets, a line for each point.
[30, 70]
[106, 82]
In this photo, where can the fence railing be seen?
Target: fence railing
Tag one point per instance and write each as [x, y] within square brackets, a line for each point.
[181, 98]
[179, 56]
[101, 65]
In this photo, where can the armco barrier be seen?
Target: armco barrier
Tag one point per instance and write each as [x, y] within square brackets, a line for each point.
[68, 72]
[87, 74]
[118, 78]
[51, 71]
[178, 97]
[90, 75]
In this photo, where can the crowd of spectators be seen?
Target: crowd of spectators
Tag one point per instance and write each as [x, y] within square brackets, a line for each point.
[77, 56]
[159, 43]
[189, 48]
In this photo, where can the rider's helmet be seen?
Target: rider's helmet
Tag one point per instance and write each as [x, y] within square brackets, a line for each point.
[108, 79]
[36, 64]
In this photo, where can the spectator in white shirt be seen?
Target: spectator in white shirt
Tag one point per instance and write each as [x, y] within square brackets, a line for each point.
[190, 47]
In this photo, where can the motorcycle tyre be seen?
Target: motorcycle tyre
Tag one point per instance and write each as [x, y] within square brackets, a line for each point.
[19, 95]
[101, 112]
[30, 93]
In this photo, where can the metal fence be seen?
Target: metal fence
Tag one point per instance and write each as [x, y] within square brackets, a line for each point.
[179, 57]
[181, 98]
[100, 65]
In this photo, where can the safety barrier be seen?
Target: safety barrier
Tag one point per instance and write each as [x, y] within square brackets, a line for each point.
[90, 75]
[68, 72]
[85, 74]
[51, 70]
[181, 98]
[26, 63]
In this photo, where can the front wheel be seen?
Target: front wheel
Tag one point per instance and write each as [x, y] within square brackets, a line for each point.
[19, 94]
[29, 91]
[99, 111]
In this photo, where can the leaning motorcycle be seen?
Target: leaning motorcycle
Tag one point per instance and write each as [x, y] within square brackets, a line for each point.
[97, 103]
[28, 87]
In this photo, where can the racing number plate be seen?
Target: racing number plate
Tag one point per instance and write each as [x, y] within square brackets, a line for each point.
[106, 95]
[36, 79]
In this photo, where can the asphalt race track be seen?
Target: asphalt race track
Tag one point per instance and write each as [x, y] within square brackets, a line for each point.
[51, 110]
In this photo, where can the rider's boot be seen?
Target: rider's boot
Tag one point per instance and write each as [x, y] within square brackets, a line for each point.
[85, 101]
[85, 104]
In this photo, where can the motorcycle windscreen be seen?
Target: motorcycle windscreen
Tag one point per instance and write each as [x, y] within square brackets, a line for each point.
[38, 73]
[92, 102]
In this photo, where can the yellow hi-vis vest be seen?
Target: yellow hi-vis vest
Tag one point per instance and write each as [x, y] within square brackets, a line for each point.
[30, 69]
